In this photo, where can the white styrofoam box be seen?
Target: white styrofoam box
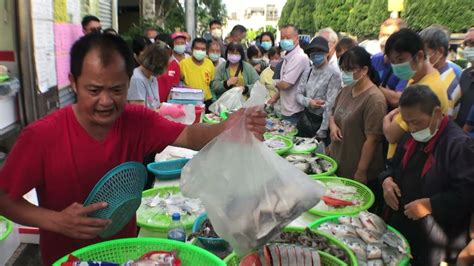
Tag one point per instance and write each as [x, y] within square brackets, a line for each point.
[7, 111]
[9, 245]
[187, 94]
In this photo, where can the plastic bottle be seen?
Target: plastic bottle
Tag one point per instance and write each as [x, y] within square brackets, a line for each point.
[177, 231]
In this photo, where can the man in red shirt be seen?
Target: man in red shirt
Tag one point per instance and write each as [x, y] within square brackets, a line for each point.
[171, 77]
[65, 154]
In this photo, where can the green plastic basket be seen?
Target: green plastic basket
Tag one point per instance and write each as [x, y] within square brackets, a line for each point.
[333, 163]
[366, 194]
[121, 188]
[209, 121]
[406, 259]
[289, 135]
[9, 228]
[123, 250]
[326, 258]
[303, 151]
[164, 220]
[288, 142]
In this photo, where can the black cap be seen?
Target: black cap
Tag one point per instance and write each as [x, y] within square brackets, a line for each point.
[318, 44]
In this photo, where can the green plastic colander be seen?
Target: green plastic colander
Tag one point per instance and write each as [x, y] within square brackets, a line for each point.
[121, 188]
[124, 250]
[9, 225]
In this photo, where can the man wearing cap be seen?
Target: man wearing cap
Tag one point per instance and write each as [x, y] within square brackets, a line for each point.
[179, 46]
[317, 90]
[294, 64]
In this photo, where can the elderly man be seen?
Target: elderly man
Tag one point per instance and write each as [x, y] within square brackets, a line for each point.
[67, 152]
[91, 24]
[436, 42]
[294, 64]
[331, 36]
[428, 186]
[406, 53]
[237, 34]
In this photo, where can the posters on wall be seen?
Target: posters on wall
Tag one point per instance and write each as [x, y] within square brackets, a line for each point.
[43, 44]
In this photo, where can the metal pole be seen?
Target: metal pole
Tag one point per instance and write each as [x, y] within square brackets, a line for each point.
[190, 12]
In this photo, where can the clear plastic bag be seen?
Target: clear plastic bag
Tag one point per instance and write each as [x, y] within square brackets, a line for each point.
[231, 100]
[249, 192]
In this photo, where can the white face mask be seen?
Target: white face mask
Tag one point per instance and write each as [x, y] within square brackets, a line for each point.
[216, 33]
[425, 135]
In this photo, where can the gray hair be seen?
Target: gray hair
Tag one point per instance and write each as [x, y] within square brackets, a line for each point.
[333, 38]
[434, 38]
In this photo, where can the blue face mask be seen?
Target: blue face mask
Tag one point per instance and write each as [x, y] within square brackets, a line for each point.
[266, 45]
[317, 59]
[287, 45]
[348, 78]
[179, 49]
[403, 71]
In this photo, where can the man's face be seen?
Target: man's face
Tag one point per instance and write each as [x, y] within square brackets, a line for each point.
[93, 26]
[151, 34]
[417, 120]
[436, 56]
[214, 49]
[240, 36]
[199, 46]
[386, 31]
[289, 34]
[397, 58]
[215, 26]
[101, 91]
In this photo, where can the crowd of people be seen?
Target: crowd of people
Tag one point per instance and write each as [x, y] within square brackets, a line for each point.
[400, 121]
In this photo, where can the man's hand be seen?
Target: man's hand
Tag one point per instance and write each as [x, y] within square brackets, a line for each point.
[232, 81]
[391, 193]
[336, 134]
[361, 176]
[255, 120]
[418, 209]
[316, 103]
[74, 223]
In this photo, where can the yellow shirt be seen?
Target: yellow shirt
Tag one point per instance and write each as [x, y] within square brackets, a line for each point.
[198, 76]
[266, 78]
[240, 77]
[439, 87]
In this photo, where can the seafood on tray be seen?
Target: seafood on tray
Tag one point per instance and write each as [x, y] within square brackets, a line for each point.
[205, 230]
[275, 143]
[304, 144]
[153, 208]
[368, 237]
[276, 126]
[338, 195]
[309, 163]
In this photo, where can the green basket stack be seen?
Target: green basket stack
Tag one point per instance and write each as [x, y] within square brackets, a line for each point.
[366, 194]
[162, 226]
[288, 144]
[406, 259]
[9, 230]
[326, 259]
[124, 250]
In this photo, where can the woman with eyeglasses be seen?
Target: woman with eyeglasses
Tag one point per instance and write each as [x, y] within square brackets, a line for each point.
[235, 72]
[356, 120]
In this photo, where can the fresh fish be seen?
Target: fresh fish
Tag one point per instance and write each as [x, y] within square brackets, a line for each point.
[315, 258]
[325, 165]
[308, 257]
[274, 255]
[350, 220]
[275, 143]
[369, 236]
[344, 230]
[315, 168]
[327, 228]
[361, 262]
[377, 262]
[300, 259]
[391, 256]
[303, 166]
[372, 222]
[374, 251]
[357, 246]
[291, 255]
[394, 241]
[297, 158]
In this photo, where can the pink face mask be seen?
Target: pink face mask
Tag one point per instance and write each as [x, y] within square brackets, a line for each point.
[233, 58]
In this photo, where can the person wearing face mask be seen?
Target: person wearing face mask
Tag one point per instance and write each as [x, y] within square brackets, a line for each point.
[266, 77]
[406, 53]
[429, 182]
[356, 122]
[235, 72]
[214, 53]
[179, 46]
[256, 59]
[331, 36]
[143, 83]
[317, 90]
[198, 71]
[215, 28]
[436, 41]
[172, 76]
[267, 41]
[463, 97]
[294, 64]
[151, 34]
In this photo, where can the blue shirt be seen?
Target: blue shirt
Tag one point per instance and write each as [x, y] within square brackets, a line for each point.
[384, 69]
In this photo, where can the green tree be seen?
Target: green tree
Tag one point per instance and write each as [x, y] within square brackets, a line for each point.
[456, 15]
[336, 18]
[302, 16]
[208, 10]
[286, 12]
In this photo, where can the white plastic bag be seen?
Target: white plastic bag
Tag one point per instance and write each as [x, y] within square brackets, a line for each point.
[249, 192]
[231, 100]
